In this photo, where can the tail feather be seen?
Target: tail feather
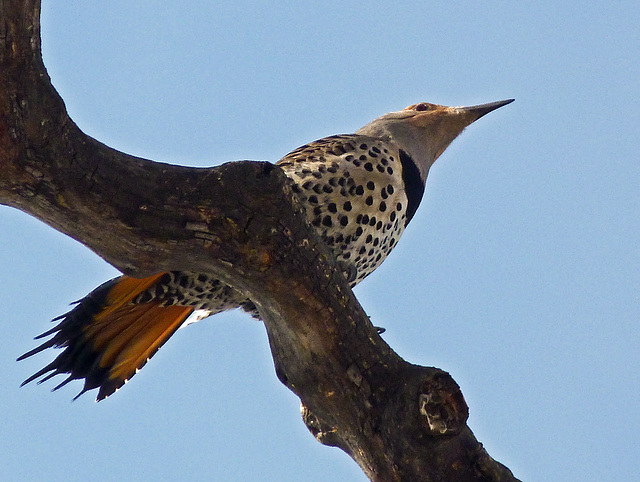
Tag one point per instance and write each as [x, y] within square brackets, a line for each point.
[107, 337]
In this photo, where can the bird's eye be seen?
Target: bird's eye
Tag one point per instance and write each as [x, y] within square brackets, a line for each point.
[421, 107]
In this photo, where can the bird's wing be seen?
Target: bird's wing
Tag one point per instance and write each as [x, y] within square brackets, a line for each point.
[335, 145]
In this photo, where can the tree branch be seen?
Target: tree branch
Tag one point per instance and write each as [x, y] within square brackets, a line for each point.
[240, 222]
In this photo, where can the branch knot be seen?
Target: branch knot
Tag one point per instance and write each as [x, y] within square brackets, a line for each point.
[442, 405]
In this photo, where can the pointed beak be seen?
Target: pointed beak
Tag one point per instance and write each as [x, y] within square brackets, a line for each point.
[478, 111]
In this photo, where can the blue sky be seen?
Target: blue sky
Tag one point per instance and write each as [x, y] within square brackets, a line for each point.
[519, 274]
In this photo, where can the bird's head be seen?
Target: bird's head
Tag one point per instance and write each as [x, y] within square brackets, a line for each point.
[425, 130]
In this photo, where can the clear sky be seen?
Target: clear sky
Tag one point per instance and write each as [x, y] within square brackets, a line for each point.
[519, 274]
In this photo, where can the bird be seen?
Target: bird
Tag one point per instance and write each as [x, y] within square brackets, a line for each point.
[359, 192]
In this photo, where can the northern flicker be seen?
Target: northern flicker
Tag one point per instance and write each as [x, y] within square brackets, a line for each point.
[359, 192]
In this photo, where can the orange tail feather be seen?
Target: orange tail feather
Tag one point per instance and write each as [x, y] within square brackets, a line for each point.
[107, 338]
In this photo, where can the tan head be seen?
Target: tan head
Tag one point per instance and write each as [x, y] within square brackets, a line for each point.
[425, 130]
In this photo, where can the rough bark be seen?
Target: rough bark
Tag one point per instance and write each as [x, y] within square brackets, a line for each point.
[398, 421]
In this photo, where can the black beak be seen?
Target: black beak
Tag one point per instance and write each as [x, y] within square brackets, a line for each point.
[483, 109]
